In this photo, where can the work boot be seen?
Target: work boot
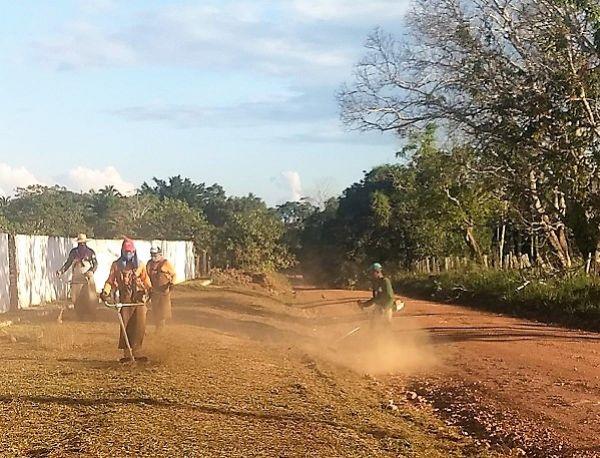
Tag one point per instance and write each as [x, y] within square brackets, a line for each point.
[126, 357]
[139, 357]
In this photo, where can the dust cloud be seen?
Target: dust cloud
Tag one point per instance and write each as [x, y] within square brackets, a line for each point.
[402, 349]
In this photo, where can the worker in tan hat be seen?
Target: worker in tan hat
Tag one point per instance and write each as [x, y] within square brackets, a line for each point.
[82, 260]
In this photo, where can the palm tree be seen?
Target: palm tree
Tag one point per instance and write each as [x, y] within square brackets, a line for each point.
[110, 191]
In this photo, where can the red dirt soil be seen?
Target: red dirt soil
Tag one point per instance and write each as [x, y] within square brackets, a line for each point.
[505, 380]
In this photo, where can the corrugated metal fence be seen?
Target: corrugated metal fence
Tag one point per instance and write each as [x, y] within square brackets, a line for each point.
[28, 265]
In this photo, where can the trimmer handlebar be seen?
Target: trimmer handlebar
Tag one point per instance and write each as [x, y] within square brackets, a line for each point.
[120, 305]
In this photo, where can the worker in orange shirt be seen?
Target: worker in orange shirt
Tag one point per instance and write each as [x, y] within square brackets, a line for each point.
[129, 283]
[162, 278]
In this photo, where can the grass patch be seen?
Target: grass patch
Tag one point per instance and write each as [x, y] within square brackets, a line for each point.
[570, 300]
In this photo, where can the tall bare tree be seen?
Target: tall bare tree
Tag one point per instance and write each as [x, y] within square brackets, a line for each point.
[518, 80]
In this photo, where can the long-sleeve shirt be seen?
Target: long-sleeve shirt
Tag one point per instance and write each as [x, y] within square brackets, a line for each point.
[383, 293]
[161, 273]
[131, 283]
[78, 256]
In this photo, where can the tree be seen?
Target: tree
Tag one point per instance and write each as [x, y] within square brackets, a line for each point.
[128, 217]
[516, 80]
[211, 200]
[252, 238]
[175, 188]
[321, 256]
[172, 219]
[47, 210]
[238, 231]
[452, 193]
[103, 206]
[294, 215]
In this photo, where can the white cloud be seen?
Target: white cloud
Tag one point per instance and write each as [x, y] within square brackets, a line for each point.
[294, 183]
[76, 179]
[96, 6]
[85, 179]
[286, 38]
[85, 45]
[351, 10]
[312, 105]
[15, 177]
[332, 132]
[235, 35]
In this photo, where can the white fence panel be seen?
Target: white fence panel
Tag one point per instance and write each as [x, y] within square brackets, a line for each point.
[176, 252]
[4, 274]
[39, 257]
[190, 261]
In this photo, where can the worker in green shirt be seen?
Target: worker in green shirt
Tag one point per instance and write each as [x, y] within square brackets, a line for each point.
[383, 297]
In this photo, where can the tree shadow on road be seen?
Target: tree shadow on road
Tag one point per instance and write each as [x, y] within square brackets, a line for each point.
[251, 329]
[452, 334]
[265, 415]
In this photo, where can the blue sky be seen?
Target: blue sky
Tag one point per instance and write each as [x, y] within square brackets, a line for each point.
[239, 92]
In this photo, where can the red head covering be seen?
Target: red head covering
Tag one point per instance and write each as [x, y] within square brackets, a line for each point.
[127, 245]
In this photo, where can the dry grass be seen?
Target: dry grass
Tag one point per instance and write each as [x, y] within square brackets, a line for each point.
[229, 378]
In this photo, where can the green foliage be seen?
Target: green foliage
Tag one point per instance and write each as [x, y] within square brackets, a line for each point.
[321, 256]
[569, 299]
[519, 93]
[400, 213]
[211, 200]
[236, 231]
[294, 216]
[172, 219]
[251, 238]
[103, 206]
[47, 210]
[128, 216]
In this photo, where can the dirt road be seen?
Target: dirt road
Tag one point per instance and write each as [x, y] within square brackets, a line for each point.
[505, 380]
[541, 383]
[241, 374]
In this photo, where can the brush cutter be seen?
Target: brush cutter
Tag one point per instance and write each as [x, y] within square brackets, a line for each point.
[397, 306]
[334, 346]
[118, 307]
[348, 334]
